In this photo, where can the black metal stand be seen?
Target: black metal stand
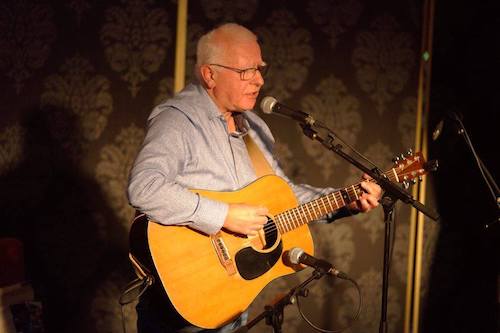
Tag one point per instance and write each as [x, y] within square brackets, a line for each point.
[392, 189]
[391, 195]
[388, 205]
[274, 313]
[485, 173]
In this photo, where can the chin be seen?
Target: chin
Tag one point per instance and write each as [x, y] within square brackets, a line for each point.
[249, 105]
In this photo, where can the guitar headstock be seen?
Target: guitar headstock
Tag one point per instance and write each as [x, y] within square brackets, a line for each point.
[411, 167]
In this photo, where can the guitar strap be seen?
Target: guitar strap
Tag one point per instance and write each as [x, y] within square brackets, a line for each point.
[260, 165]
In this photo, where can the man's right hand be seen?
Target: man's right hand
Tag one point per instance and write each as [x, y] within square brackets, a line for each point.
[246, 219]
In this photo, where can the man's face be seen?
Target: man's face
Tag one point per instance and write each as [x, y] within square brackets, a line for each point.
[231, 93]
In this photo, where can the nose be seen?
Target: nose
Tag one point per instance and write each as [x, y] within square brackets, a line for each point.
[258, 79]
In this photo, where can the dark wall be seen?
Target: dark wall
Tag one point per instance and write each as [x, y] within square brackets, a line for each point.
[463, 291]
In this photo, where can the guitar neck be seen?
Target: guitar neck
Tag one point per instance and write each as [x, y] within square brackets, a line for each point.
[315, 209]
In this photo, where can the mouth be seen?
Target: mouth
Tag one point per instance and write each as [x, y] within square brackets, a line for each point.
[253, 94]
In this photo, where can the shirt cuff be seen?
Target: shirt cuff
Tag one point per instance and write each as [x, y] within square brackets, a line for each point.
[210, 215]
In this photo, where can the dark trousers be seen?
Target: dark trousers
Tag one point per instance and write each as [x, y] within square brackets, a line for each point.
[156, 315]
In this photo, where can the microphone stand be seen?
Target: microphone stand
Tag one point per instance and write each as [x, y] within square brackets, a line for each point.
[274, 313]
[390, 187]
[485, 173]
[392, 193]
[388, 204]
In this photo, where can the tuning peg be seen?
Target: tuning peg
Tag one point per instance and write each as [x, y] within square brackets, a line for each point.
[402, 156]
[395, 159]
[432, 165]
[413, 181]
[406, 184]
[420, 178]
[409, 152]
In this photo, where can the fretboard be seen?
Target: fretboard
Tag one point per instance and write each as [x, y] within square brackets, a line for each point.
[318, 208]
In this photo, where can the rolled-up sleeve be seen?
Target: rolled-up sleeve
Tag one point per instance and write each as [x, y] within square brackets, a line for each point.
[152, 187]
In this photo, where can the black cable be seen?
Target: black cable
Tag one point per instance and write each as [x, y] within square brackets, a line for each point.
[358, 311]
[335, 135]
[139, 284]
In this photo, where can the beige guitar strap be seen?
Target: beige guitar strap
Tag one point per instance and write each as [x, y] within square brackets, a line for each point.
[260, 164]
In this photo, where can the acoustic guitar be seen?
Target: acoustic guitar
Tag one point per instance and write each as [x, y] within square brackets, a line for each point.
[211, 279]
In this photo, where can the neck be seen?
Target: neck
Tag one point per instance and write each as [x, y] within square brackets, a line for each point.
[231, 125]
[228, 115]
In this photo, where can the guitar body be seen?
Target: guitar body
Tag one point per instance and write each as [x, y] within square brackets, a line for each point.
[210, 280]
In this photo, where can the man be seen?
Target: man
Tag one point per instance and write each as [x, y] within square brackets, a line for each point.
[196, 141]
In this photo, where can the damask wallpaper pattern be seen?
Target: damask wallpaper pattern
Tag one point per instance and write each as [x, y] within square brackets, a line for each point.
[79, 79]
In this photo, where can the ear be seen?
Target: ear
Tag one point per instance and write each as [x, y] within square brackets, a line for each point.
[207, 75]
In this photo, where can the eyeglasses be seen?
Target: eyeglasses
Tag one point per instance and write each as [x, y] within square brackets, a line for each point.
[247, 73]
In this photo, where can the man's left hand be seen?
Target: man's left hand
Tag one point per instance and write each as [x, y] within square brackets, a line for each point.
[372, 193]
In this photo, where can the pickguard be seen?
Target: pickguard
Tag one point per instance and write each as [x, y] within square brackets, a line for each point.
[251, 263]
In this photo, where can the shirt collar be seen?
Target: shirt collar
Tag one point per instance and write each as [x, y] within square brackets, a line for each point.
[240, 121]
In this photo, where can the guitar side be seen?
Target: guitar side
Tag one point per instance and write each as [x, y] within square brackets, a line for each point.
[208, 291]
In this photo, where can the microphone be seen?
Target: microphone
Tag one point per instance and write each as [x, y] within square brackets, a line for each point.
[297, 256]
[437, 130]
[271, 105]
[455, 120]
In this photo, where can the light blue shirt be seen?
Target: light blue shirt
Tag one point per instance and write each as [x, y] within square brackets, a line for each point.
[187, 146]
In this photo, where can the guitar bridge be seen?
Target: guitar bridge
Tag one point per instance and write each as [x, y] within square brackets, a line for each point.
[223, 253]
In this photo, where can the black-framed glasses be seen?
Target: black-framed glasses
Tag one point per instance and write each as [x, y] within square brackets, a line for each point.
[247, 73]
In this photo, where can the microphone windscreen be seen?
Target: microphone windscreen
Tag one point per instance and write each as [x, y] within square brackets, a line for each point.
[294, 255]
[267, 104]
[437, 131]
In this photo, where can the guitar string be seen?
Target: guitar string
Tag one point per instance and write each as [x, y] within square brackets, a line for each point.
[272, 226]
[316, 205]
[318, 202]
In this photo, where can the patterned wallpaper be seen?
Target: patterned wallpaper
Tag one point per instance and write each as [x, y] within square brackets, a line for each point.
[79, 79]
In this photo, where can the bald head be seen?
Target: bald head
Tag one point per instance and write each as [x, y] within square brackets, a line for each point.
[212, 46]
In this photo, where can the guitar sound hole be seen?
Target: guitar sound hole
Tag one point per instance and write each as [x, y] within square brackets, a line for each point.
[270, 232]
[252, 264]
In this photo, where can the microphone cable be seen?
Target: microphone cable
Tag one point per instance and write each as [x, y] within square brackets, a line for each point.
[356, 316]
[334, 135]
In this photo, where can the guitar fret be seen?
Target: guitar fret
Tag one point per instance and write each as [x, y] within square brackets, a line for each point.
[320, 210]
[325, 209]
[314, 209]
[284, 224]
[303, 215]
[291, 220]
[329, 203]
[299, 217]
[355, 192]
[335, 199]
[344, 196]
[317, 208]
[343, 201]
[294, 218]
[311, 218]
[279, 223]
